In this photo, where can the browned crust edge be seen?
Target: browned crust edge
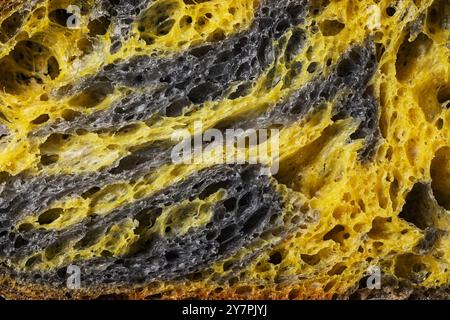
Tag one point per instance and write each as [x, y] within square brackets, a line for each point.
[392, 289]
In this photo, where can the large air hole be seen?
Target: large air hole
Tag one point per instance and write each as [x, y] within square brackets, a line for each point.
[214, 188]
[410, 54]
[99, 26]
[70, 115]
[437, 16]
[92, 96]
[90, 193]
[204, 92]
[29, 63]
[175, 109]
[337, 269]
[31, 262]
[50, 148]
[409, 266]
[4, 132]
[346, 67]
[380, 228]
[421, 208]
[390, 11]
[443, 96]
[52, 68]
[172, 256]
[128, 163]
[294, 44]
[25, 227]
[216, 35]
[201, 51]
[41, 119]
[316, 6]
[11, 25]
[255, 220]
[185, 22]
[138, 156]
[20, 242]
[440, 174]
[146, 219]
[230, 204]
[49, 216]
[281, 28]
[245, 200]
[275, 258]
[60, 17]
[227, 233]
[158, 20]
[241, 91]
[48, 160]
[380, 50]
[56, 248]
[415, 201]
[314, 259]
[337, 234]
[194, 2]
[89, 238]
[165, 27]
[331, 27]
[85, 45]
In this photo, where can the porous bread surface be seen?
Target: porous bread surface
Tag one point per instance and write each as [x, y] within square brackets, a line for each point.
[358, 89]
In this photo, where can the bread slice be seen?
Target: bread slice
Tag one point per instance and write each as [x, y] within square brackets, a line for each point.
[349, 105]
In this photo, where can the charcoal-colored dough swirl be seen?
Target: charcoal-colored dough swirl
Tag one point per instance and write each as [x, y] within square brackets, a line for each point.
[238, 219]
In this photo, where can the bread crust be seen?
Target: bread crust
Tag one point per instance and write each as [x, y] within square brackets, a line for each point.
[393, 289]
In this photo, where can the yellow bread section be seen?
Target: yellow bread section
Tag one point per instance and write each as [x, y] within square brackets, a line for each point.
[357, 204]
[25, 108]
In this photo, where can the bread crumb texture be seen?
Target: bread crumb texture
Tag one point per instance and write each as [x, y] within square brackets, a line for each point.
[92, 91]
